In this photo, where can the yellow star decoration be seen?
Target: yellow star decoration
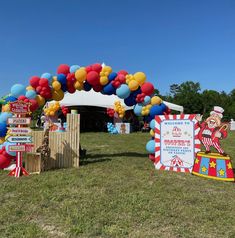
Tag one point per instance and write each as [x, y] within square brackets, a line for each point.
[204, 169]
[221, 172]
[212, 164]
[229, 165]
[196, 161]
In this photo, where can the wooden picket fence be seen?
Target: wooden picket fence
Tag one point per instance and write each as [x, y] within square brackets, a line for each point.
[64, 147]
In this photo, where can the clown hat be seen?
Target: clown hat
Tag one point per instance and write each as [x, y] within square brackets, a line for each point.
[217, 110]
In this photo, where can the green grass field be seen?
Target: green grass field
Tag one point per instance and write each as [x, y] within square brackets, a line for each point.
[117, 193]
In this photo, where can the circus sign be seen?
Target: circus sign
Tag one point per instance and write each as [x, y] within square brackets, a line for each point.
[176, 142]
[20, 107]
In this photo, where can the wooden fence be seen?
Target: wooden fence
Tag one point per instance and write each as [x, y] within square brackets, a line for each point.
[64, 145]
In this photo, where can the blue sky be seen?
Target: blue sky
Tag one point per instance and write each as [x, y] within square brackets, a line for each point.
[172, 41]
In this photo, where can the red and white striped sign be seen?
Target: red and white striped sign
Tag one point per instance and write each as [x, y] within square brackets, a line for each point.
[176, 142]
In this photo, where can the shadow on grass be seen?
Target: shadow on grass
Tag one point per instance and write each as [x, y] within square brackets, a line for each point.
[97, 158]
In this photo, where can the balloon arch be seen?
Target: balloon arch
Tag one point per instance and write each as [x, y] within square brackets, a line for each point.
[133, 88]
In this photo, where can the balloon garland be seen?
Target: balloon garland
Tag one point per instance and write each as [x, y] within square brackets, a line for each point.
[133, 88]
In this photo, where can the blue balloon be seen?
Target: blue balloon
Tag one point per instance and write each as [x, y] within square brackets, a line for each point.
[10, 99]
[18, 90]
[138, 109]
[3, 129]
[86, 86]
[62, 79]
[147, 100]
[150, 146]
[31, 94]
[74, 68]
[109, 89]
[47, 76]
[112, 76]
[123, 91]
[4, 116]
[156, 110]
[163, 107]
[136, 92]
[7, 144]
[64, 87]
[152, 124]
[130, 101]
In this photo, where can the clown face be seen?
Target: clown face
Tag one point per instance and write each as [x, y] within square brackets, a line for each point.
[213, 121]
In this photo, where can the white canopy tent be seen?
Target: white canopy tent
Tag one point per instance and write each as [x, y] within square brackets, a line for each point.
[92, 98]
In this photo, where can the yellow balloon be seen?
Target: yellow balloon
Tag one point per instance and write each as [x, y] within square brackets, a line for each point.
[2, 140]
[133, 85]
[40, 100]
[6, 108]
[104, 80]
[57, 95]
[54, 78]
[52, 113]
[78, 85]
[152, 132]
[129, 77]
[80, 75]
[30, 88]
[107, 69]
[56, 85]
[155, 100]
[140, 77]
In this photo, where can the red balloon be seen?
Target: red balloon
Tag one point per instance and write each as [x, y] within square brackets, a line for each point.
[22, 98]
[26, 100]
[88, 69]
[44, 82]
[71, 77]
[34, 81]
[97, 88]
[5, 161]
[71, 89]
[96, 67]
[39, 89]
[147, 88]
[63, 69]
[34, 105]
[123, 72]
[93, 78]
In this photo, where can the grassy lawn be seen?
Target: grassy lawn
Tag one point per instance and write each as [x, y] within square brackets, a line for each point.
[117, 193]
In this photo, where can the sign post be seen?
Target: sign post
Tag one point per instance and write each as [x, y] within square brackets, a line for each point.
[19, 108]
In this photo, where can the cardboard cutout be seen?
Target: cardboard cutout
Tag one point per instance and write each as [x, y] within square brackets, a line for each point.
[213, 165]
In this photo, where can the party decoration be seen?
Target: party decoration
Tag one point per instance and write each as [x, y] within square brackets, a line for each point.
[17, 90]
[119, 109]
[111, 128]
[213, 165]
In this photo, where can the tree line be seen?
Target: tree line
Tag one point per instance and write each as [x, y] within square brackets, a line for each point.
[194, 100]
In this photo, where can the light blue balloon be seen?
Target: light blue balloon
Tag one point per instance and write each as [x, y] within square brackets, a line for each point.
[18, 90]
[147, 100]
[123, 91]
[4, 116]
[74, 68]
[31, 94]
[47, 76]
[152, 124]
[138, 109]
[150, 146]
[7, 144]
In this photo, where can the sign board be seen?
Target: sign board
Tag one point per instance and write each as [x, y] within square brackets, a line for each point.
[19, 131]
[20, 107]
[123, 128]
[176, 142]
[19, 139]
[17, 148]
[18, 121]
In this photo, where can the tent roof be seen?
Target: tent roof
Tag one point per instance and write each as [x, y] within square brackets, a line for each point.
[92, 98]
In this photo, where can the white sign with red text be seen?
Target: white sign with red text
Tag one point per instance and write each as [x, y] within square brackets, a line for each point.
[176, 142]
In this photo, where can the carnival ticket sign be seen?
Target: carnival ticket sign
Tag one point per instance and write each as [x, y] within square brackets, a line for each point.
[20, 107]
[18, 121]
[176, 142]
[19, 131]
[19, 139]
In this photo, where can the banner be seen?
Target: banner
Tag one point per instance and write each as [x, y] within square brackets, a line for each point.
[176, 142]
